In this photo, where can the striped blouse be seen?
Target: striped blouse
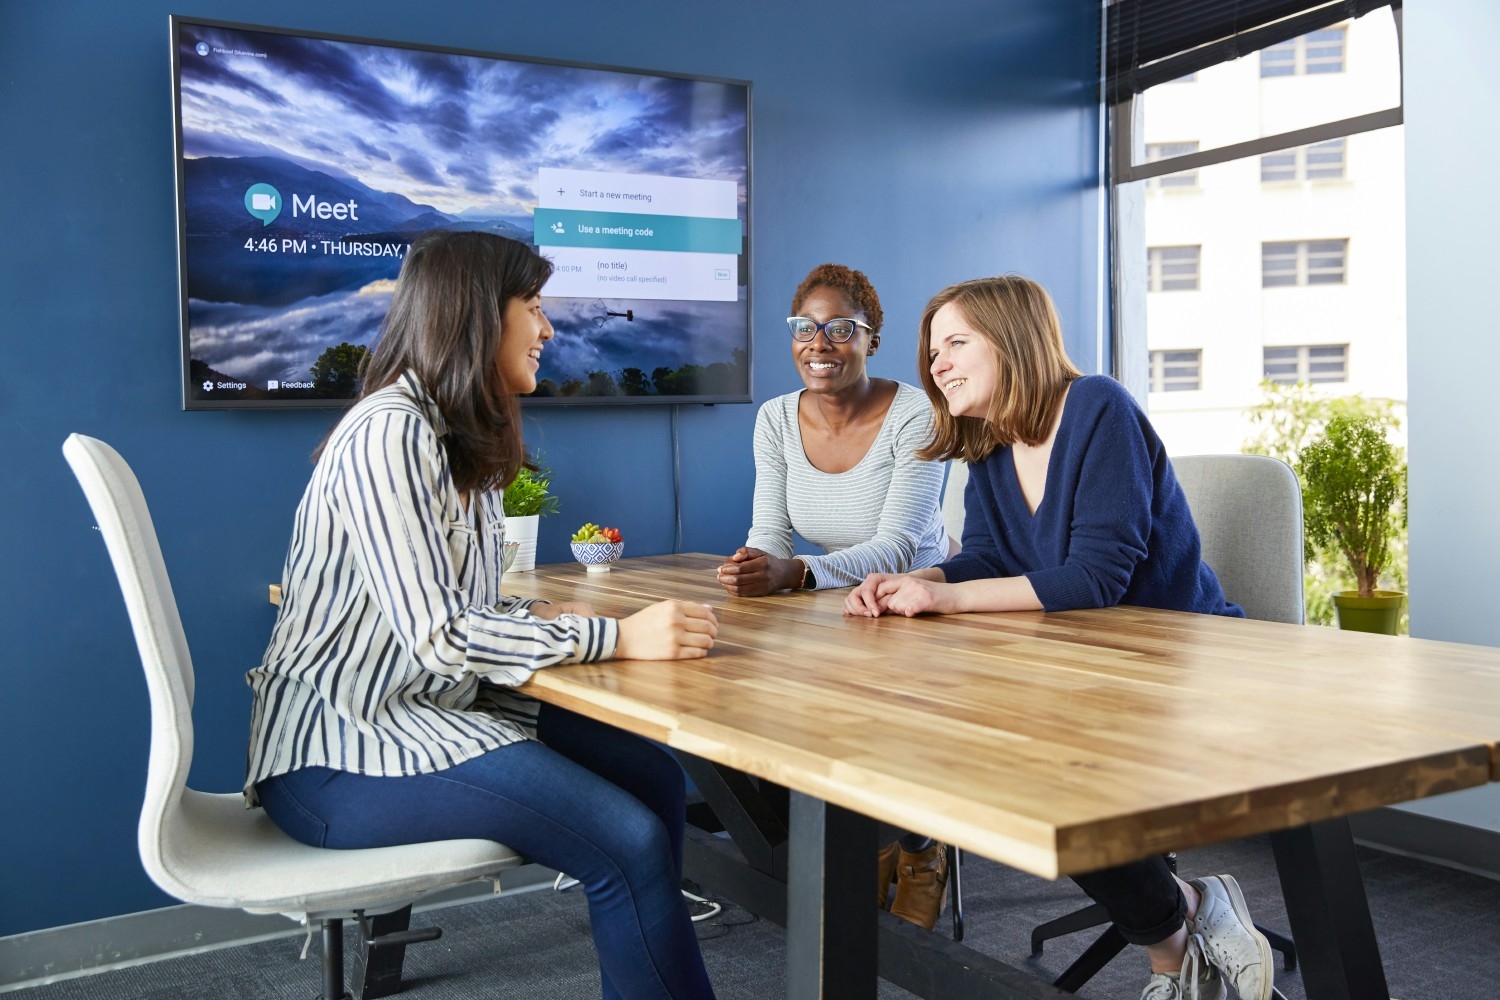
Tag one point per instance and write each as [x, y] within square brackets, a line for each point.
[394, 651]
[881, 516]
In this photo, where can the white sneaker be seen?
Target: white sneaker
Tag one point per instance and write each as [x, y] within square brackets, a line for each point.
[1231, 943]
[1203, 981]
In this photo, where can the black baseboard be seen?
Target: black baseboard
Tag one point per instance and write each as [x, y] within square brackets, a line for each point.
[1428, 838]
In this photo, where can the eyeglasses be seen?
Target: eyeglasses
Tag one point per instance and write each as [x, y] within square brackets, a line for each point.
[838, 330]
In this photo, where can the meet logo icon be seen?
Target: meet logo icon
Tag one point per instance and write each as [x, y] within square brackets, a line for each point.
[263, 202]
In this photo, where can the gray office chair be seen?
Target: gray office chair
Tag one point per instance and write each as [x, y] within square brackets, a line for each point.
[1248, 509]
[953, 498]
[208, 849]
[952, 504]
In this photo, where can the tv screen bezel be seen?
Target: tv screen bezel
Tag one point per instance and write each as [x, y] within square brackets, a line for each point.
[175, 23]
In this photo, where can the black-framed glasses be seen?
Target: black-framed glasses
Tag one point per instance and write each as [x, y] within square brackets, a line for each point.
[838, 330]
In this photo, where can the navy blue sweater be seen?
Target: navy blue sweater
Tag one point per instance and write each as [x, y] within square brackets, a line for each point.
[1113, 526]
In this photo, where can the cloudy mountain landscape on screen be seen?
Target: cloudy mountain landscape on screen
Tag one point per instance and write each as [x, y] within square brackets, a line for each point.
[307, 164]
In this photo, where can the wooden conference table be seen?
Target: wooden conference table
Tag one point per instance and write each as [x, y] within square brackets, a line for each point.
[1053, 743]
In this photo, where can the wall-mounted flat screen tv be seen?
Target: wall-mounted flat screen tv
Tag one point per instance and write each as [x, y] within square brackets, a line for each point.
[307, 162]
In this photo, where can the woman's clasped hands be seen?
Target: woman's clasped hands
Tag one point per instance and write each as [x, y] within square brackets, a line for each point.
[908, 594]
[751, 572]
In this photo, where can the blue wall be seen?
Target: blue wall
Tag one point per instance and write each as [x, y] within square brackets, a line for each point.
[923, 146]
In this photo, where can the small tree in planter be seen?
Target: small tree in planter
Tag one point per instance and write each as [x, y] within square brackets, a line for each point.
[1354, 502]
[1290, 417]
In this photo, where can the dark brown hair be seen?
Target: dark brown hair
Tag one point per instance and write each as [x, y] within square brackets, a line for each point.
[1015, 319]
[852, 283]
[444, 325]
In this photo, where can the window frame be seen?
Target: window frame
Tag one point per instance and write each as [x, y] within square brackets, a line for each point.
[1300, 163]
[1185, 180]
[1301, 62]
[1303, 360]
[1158, 379]
[1305, 271]
[1125, 125]
[1157, 263]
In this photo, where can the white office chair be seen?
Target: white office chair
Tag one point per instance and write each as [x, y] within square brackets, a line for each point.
[208, 849]
[1248, 509]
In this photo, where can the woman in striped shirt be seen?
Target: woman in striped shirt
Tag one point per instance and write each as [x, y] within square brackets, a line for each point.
[386, 709]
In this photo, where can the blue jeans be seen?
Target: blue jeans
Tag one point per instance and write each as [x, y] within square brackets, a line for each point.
[590, 800]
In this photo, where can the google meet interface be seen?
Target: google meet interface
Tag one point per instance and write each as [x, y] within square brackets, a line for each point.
[308, 164]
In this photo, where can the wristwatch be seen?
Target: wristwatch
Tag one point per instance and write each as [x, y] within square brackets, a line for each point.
[809, 582]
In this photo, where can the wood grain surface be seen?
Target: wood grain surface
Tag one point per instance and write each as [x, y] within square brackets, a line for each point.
[1054, 743]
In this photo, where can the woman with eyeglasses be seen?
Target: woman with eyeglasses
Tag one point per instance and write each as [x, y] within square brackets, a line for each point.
[835, 463]
[1071, 503]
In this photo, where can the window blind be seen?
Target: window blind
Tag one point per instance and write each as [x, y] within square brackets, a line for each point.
[1153, 41]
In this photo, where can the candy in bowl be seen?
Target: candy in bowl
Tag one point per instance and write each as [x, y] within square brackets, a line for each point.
[597, 548]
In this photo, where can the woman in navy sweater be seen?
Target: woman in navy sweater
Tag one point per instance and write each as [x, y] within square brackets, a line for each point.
[1071, 503]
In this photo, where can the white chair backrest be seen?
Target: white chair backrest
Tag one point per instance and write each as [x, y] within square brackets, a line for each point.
[120, 510]
[953, 498]
[1249, 514]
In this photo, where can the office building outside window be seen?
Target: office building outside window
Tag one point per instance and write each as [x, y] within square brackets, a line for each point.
[1300, 266]
[1312, 53]
[1306, 262]
[1176, 371]
[1322, 161]
[1173, 269]
[1312, 363]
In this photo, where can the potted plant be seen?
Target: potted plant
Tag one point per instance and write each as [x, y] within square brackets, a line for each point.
[526, 500]
[1354, 502]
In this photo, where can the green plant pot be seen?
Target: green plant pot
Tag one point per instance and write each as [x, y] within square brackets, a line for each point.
[1380, 613]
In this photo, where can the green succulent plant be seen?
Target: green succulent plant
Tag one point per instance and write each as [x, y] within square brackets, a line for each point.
[527, 493]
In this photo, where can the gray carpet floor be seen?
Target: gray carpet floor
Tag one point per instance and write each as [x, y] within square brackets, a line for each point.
[1439, 931]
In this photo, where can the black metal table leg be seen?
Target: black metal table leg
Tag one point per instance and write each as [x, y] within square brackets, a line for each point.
[1329, 912]
[831, 923]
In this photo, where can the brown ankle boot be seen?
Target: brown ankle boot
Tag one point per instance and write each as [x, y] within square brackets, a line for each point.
[921, 885]
[885, 871]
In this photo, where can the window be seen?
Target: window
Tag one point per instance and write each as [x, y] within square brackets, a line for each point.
[1309, 262]
[1167, 150]
[1176, 371]
[1314, 52]
[1307, 363]
[1173, 269]
[1322, 161]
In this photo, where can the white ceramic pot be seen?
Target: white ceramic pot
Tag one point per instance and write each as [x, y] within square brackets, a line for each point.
[523, 530]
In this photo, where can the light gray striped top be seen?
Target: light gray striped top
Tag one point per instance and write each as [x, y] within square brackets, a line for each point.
[881, 516]
[394, 651]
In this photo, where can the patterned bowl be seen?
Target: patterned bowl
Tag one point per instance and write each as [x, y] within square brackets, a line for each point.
[597, 556]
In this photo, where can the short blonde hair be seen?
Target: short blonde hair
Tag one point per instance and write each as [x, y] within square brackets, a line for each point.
[1016, 320]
